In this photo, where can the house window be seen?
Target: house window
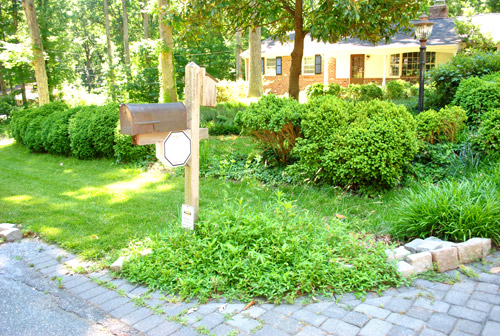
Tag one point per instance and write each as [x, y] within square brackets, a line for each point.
[317, 64]
[308, 65]
[270, 66]
[395, 62]
[262, 63]
[409, 65]
[278, 65]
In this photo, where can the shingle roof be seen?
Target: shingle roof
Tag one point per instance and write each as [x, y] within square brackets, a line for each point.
[443, 33]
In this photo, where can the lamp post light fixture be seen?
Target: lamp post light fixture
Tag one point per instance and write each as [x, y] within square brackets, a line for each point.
[423, 30]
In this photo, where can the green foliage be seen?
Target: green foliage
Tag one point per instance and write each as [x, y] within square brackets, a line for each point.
[315, 90]
[364, 144]
[275, 123]
[441, 126]
[142, 86]
[333, 89]
[396, 89]
[477, 96]
[276, 253]
[55, 131]
[371, 91]
[220, 119]
[92, 131]
[27, 124]
[488, 136]
[472, 36]
[452, 210]
[125, 151]
[8, 105]
[447, 77]
[352, 92]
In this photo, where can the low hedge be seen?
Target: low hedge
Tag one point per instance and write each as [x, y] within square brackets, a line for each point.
[445, 125]
[488, 136]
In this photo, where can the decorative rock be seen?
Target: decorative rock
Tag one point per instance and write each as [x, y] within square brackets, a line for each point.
[11, 235]
[429, 245]
[412, 246]
[7, 226]
[486, 246]
[421, 262]
[432, 238]
[445, 258]
[117, 266]
[399, 253]
[470, 251]
[405, 269]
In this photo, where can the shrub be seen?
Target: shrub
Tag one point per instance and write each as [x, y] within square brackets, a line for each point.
[352, 91]
[22, 118]
[333, 89]
[278, 253]
[446, 77]
[476, 96]
[8, 104]
[228, 91]
[371, 91]
[125, 151]
[55, 134]
[441, 126]
[275, 123]
[355, 144]
[488, 136]
[315, 90]
[220, 119]
[78, 129]
[451, 210]
[396, 89]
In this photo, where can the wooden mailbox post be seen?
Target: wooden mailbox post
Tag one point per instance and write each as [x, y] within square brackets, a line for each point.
[160, 124]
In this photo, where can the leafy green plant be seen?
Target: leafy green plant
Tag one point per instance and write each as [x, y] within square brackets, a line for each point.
[8, 104]
[352, 92]
[452, 210]
[488, 136]
[125, 151]
[371, 91]
[275, 123]
[333, 89]
[447, 77]
[477, 96]
[78, 130]
[396, 89]
[444, 125]
[55, 134]
[364, 144]
[276, 253]
[315, 90]
[220, 119]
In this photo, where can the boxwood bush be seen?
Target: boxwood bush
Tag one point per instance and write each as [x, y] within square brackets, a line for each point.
[220, 119]
[125, 151]
[78, 129]
[275, 123]
[55, 134]
[364, 144]
[488, 136]
[476, 96]
[444, 125]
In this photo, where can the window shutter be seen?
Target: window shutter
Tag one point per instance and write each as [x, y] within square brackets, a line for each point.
[317, 64]
[262, 64]
[278, 65]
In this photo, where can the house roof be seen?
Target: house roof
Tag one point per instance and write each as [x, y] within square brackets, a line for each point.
[443, 34]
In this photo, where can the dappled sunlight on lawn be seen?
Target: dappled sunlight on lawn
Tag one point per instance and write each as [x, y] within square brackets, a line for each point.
[18, 198]
[6, 142]
[122, 190]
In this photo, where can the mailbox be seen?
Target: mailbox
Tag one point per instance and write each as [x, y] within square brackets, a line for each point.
[138, 119]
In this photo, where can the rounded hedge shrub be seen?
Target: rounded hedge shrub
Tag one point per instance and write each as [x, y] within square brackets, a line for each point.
[333, 89]
[489, 131]
[476, 96]
[364, 144]
[125, 151]
[396, 89]
[445, 125]
[55, 134]
[78, 129]
[371, 91]
[274, 122]
[315, 90]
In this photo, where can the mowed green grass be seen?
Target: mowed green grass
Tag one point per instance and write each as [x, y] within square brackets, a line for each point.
[96, 208]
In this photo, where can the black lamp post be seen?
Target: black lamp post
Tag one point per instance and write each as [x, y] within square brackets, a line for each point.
[423, 30]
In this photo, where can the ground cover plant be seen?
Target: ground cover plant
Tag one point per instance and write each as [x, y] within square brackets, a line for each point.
[275, 253]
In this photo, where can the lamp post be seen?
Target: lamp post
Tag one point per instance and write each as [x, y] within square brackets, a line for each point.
[423, 30]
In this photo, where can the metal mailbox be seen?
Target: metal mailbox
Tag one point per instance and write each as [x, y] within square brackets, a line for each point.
[138, 119]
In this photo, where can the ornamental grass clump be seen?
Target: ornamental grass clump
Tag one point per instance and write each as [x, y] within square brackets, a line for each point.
[453, 210]
[276, 253]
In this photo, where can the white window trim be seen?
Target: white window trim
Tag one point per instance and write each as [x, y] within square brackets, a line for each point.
[273, 69]
[401, 64]
[313, 63]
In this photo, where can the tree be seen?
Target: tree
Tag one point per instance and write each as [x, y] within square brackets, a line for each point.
[110, 50]
[168, 92]
[125, 33]
[237, 51]
[255, 88]
[325, 20]
[38, 56]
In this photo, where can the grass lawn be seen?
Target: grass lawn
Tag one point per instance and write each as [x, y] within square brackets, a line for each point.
[96, 208]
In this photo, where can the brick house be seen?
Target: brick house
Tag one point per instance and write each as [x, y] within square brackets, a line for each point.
[358, 62]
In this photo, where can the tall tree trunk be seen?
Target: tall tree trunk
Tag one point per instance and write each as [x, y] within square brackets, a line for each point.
[237, 51]
[168, 92]
[15, 19]
[38, 59]
[125, 33]
[23, 93]
[145, 20]
[110, 51]
[297, 53]
[255, 72]
[3, 86]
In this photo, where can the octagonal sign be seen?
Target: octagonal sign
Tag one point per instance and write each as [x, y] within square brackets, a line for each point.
[177, 149]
